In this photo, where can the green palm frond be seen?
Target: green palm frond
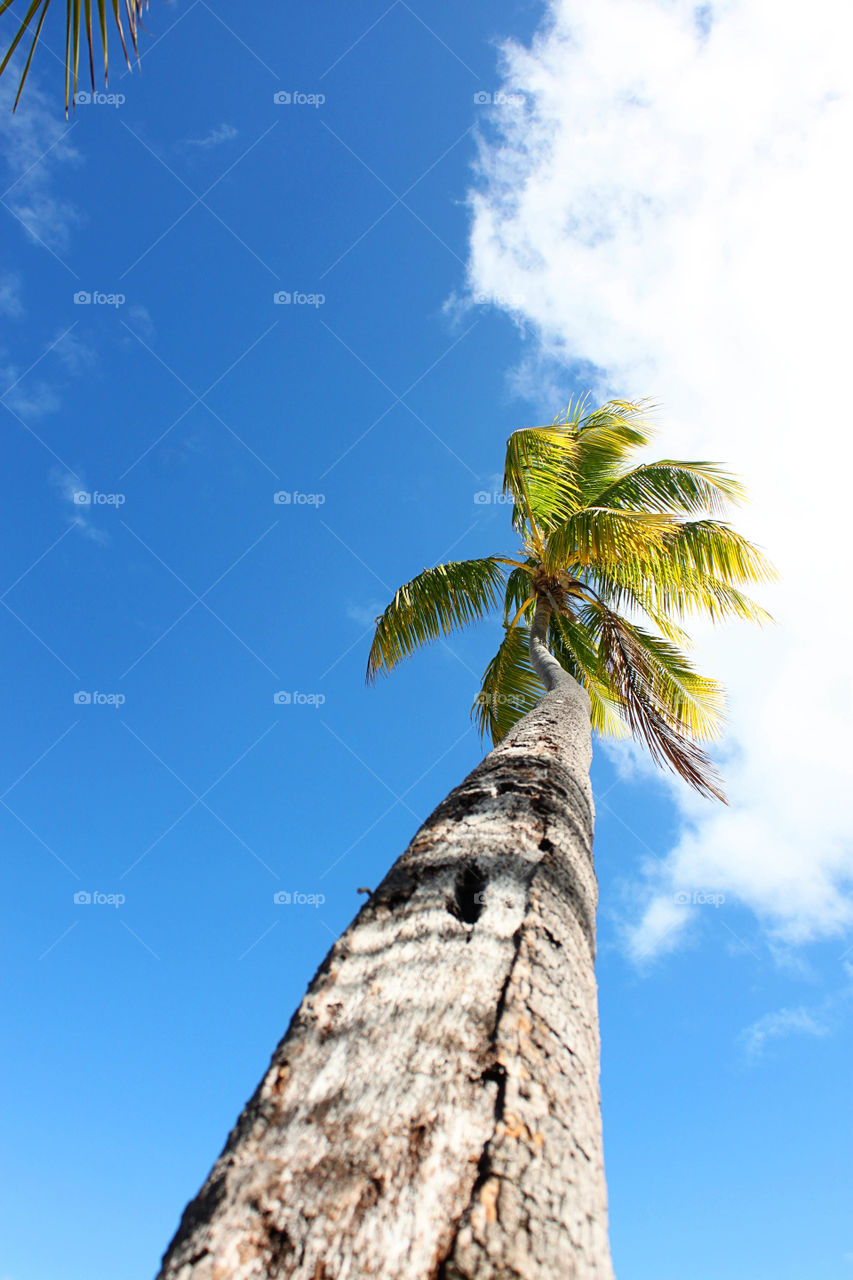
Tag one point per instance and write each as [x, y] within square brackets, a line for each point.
[576, 651]
[712, 547]
[540, 475]
[510, 687]
[606, 438]
[694, 704]
[693, 571]
[437, 601]
[667, 486]
[78, 24]
[636, 596]
[519, 589]
[606, 536]
[635, 675]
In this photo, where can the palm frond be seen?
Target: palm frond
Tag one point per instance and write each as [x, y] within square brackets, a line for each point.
[635, 677]
[606, 536]
[711, 547]
[539, 474]
[636, 596]
[606, 438]
[693, 703]
[667, 486]
[437, 601]
[518, 591]
[510, 687]
[78, 21]
[576, 651]
[692, 572]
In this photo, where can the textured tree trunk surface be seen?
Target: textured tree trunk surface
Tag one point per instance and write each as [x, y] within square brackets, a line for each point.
[433, 1111]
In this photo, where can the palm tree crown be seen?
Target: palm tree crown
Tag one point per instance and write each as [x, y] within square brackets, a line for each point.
[614, 553]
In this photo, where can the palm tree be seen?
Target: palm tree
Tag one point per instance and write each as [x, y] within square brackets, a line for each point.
[78, 21]
[433, 1111]
[597, 538]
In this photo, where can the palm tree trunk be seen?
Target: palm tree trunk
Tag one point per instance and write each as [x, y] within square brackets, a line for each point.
[433, 1111]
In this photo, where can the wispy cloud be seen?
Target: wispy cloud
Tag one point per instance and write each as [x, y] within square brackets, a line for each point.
[139, 319]
[365, 614]
[676, 225]
[222, 133]
[774, 1026]
[70, 488]
[31, 394]
[33, 143]
[29, 398]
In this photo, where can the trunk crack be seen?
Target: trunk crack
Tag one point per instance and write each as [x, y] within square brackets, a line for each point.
[496, 1073]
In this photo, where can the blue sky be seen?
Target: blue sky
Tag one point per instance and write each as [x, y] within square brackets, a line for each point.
[147, 632]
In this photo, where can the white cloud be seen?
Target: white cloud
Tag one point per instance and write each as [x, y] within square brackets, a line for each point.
[141, 322]
[34, 400]
[670, 216]
[31, 396]
[222, 133]
[69, 487]
[785, 1022]
[33, 142]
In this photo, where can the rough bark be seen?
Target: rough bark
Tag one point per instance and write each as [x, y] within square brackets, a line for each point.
[433, 1111]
